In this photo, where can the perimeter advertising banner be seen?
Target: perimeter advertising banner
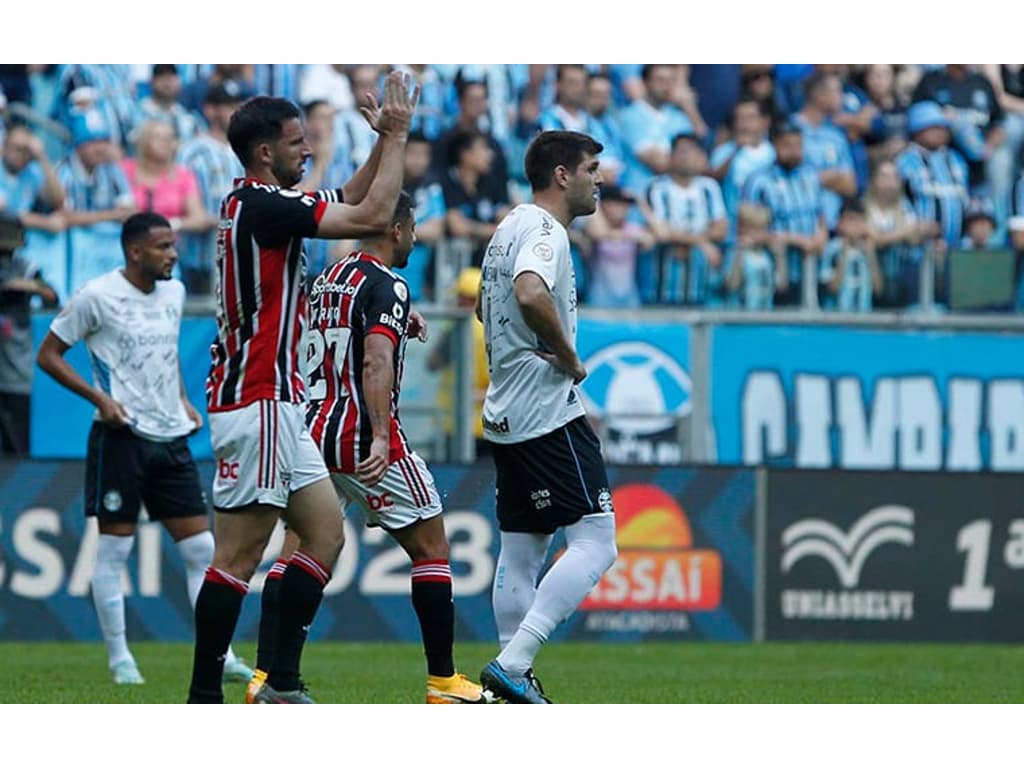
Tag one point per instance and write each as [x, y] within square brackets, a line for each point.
[685, 568]
[895, 557]
[818, 397]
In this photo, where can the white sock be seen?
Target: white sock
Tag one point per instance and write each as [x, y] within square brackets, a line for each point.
[197, 552]
[515, 579]
[590, 551]
[111, 555]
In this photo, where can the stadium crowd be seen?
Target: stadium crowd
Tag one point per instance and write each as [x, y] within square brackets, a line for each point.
[726, 186]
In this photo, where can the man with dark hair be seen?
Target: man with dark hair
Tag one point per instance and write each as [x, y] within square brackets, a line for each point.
[791, 190]
[359, 325]
[473, 207]
[163, 103]
[550, 473]
[472, 116]
[129, 319]
[268, 466]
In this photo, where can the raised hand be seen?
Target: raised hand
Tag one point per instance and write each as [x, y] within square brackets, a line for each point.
[396, 113]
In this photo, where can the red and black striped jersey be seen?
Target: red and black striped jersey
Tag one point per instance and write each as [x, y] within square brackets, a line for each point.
[260, 291]
[353, 298]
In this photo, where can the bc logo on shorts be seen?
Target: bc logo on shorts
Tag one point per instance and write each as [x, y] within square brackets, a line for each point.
[112, 501]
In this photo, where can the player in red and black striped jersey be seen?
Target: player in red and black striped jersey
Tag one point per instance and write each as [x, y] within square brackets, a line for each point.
[267, 465]
[359, 324]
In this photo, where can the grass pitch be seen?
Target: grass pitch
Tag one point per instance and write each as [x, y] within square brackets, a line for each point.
[353, 673]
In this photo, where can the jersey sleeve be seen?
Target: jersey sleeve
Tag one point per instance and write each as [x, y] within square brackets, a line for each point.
[78, 319]
[280, 215]
[539, 253]
[387, 309]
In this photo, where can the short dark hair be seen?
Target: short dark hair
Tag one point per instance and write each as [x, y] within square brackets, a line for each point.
[136, 227]
[309, 106]
[815, 82]
[463, 83]
[551, 149]
[460, 142]
[259, 119]
[686, 136]
[648, 69]
[163, 69]
[404, 208]
[784, 127]
[851, 205]
[562, 68]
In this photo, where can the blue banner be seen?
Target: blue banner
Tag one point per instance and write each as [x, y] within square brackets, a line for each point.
[868, 399]
[685, 567]
[638, 387]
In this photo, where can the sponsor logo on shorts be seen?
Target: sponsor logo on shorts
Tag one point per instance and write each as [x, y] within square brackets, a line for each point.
[112, 501]
[541, 498]
[227, 470]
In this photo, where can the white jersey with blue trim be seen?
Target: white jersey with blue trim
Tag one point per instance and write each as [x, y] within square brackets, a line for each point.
[527, 397]
[132, 338]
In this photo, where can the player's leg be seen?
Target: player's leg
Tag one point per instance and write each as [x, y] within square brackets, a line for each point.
[269, 607]
[111, 483]
[520, 559]
[173, 496]
[248, 497]
[590, 545]
[241, 535]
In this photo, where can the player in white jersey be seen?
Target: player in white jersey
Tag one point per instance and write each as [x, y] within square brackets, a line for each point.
[550, 473]
[138, 454]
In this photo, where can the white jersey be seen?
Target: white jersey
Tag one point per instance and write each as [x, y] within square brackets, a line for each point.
[527, 397]
[132, 338]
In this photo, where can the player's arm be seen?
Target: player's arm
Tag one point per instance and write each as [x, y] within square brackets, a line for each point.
[193, 415]
[374, 211]
[51, 359]
[378, 383]
[539, 312]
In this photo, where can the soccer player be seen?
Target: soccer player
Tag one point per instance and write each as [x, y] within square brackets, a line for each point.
[138, 453]
[359, 324]
[550, 473]
[268, 466]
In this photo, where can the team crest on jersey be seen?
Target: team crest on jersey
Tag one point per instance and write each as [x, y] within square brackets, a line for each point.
[401, 291]
[292, 193]
[543, 251]
[112, 501]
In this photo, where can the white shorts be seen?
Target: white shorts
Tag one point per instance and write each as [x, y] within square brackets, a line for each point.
[264, 453]
[405, 495]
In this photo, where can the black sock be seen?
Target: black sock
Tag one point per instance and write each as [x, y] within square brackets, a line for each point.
[302, 588]
[432, 600]
[217, 607]
[269, 606]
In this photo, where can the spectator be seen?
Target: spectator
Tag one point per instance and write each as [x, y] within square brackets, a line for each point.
[689, 223]
[472, 116]
[615, 244]
[1007, 82]
[855, 117]
[648, 126]
[473, 207]
[194, 94]
[748, 150]
[849, 273]
[215, 165]
[161, 185]
[605, 125]
[353, 133]
[97, 199]
[27, 179]
[979, 226]
[825, 146]
[104, 87]
[976, 121]
[934, 175]
[897, 234]
[331, 168]
[162, 103]
[755, 264]
[428, 201]
[888, 134]
[20, 282]
[758, 83]
[790, 189]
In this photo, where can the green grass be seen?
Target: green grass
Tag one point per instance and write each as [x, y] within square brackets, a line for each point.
[572, 673]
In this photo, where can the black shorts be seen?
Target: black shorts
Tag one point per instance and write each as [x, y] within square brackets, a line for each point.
[551, 481]
[123, 469]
